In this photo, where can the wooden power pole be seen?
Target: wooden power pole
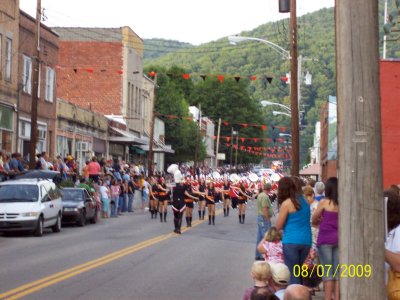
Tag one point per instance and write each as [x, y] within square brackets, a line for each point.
[217, 147]
[152, 123]
[294, 104]
[361, 227]
[35, 88]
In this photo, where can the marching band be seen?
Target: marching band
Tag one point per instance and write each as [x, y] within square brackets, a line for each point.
[232, 190]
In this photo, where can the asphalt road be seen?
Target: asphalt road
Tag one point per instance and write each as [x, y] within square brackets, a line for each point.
[132, 257]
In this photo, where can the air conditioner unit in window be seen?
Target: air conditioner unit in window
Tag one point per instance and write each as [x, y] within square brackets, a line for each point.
[82, 146]
[41, 134]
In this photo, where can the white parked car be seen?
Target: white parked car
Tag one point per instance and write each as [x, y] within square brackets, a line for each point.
[30, 205]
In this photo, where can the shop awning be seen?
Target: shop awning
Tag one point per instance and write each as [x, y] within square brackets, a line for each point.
[137, 150]
[158, 148]
[126, 137]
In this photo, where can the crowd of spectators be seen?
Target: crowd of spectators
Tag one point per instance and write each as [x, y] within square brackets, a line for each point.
[305, 235]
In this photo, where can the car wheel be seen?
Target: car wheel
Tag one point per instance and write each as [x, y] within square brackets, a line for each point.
[82, 219]
[57, 227]
[94, 219]
[39, 227]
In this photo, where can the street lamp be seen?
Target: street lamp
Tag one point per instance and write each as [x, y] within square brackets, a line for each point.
[285, 134]
[235, 39]
[268, 103]
[275, 113]
[294, 89]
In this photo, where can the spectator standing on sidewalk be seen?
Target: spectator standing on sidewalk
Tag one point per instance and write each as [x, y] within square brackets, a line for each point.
[94, 169]
[264, 215]
[319, 190]
[105, 198]
[294, 219]
[145, 192]
[115, 190]
[327, 216]
[131, 194]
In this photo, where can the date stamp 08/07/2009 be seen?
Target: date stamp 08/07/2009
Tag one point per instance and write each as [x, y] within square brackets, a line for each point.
[344, 270]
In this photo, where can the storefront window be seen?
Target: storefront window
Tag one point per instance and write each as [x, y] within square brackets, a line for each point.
[6, 127]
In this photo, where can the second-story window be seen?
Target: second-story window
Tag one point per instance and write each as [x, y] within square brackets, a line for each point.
[27, 75]
[8, 59]
[49, 84]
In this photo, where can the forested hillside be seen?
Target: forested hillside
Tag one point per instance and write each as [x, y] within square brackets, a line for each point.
[316, 44]
[155, 48]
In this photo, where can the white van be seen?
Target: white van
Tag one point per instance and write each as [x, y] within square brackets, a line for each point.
[30, 205]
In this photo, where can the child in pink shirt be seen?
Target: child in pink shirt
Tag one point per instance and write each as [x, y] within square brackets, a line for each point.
[271, 246]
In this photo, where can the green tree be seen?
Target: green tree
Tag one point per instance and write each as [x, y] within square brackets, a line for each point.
[230, 101]
[171, 101]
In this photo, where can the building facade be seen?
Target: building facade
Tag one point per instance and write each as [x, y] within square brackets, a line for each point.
[47, 104]
[101, 69]
[9, 39]
[328, 150]
[80, 132]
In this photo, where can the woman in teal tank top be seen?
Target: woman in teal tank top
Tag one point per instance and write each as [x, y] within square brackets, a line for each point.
[294, 220]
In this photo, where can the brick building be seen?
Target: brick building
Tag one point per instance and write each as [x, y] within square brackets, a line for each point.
[101, 69]
[9, 38]
[47, 104]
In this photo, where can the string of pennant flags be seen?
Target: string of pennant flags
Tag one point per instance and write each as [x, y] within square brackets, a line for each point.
[266, 79]
[226, 123]
[271, 150]
[255, 140]
[282, 155]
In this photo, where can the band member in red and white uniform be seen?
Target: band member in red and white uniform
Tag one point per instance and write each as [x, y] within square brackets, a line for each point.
[234, 192]
[202, 201]
[225, 196]
[189, 202]
[163, 197]
[242, 201]
[210, 196]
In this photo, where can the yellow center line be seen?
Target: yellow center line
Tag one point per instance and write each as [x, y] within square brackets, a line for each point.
[37, 285]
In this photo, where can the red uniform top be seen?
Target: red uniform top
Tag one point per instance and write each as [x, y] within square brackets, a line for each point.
[233, 191]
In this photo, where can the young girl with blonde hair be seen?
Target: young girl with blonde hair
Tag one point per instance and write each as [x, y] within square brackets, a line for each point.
[271, 246]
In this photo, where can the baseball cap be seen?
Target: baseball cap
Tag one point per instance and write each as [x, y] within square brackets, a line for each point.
[280, 273]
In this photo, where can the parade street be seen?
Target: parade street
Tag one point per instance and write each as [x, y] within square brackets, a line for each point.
[132, 257]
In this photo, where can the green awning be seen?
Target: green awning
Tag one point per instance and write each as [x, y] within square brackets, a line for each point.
[136, 150]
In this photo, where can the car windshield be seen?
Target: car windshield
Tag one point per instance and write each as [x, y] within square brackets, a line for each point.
[19, 193]
[72, 195]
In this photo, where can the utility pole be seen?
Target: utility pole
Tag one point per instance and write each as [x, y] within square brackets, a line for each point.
[361, 217]
[217, 147]
[196, 150]
[385, 36]
[35, 88]
[152, 121]
[230, 159]
[236, 150]
[294, 105]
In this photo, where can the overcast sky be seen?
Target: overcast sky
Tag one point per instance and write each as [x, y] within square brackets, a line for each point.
[191, 21]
